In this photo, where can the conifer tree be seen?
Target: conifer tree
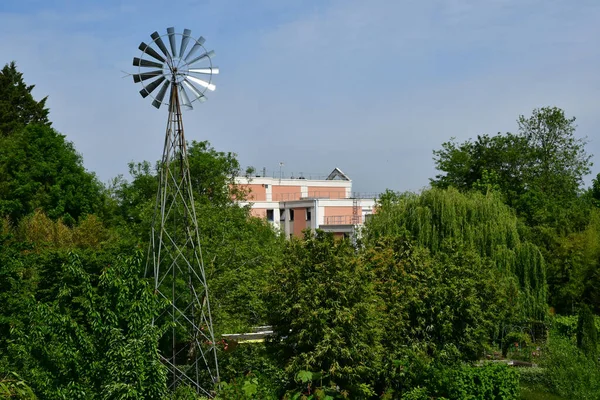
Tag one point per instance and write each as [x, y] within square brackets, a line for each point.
[18, 108]
[587, 335]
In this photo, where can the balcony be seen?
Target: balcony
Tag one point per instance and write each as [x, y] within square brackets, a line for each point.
[343, 220]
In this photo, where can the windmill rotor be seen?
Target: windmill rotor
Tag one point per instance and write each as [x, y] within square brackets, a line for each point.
[178, 61]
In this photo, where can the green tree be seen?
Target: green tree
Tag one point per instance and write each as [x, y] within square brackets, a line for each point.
[18, 108]
[213, 174]
[40, 169]
[587, 335]
[94, 338]
[496, 160]
[443, 220]
[568, 371]
[558, 160]
[446, 305]
[595, 191]
[539, 171]
[323, 316]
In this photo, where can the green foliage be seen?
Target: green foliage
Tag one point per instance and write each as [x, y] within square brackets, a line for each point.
[133, 198]
[490, 162]
[558, 159]
[495, 382]
[252, 362]
[95, 339]
[448, 305]
[569, 372]
[40, 169]
[587, 334]
[13, 387]
[248, 387]
[213, 173]
[323, 314]
[595, 190]
[239, 253]
[573, 274]
[447, 221]
[433, 379]
[238, 249]
[518, 342]
[17, 106]
[538, 171]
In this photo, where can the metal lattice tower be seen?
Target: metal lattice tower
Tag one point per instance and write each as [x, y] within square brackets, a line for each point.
[188, 348]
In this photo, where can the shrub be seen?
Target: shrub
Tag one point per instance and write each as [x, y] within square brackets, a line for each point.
[490, 381]
[569, 372]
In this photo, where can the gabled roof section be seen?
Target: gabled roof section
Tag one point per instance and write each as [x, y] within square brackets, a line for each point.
[337, 174]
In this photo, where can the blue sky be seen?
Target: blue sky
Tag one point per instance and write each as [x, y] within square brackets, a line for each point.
[371, 87]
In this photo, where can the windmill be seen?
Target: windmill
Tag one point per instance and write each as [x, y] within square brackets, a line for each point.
[185, 71]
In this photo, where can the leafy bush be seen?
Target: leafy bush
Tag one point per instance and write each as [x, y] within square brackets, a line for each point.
[518, 344]
[490, 381]
[569, 372]
[424, 379]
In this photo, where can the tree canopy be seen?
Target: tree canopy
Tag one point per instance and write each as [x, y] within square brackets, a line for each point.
[40, 169]
[539, 170]
[18, 108]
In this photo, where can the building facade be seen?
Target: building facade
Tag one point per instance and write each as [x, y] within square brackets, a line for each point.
[295, 204]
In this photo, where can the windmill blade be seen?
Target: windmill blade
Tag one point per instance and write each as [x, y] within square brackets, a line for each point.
[161, 45]
[199, 95]
[202, 83]
[150, 51]
[150, 88]
[146, 63]
[171, 33]
[209, 54]
[206, 71]
[184, 41]
[161, 95]
[185, 100]
[197, 46]
[146, 75]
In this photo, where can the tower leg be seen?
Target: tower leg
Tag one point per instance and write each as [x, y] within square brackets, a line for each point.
[189, 347]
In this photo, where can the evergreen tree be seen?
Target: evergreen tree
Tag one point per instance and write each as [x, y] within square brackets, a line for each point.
[18, 108]
[587, 335]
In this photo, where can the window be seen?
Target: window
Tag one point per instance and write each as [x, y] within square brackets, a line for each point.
[308, 214]
[270, 215]
[282, 215]
[291, 215]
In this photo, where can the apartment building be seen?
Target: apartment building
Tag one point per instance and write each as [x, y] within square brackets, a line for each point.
[294, 204]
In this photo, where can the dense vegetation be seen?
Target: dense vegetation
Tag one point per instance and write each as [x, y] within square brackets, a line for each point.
[499, 259]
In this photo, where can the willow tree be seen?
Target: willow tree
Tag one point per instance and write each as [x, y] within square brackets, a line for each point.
[446, 221]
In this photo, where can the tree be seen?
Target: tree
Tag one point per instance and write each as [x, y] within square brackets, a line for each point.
[539, 171]
[40, 169]
[443, 220]
[95, 338]
[595, 191]
[323, 315]
[557, 160]
[587, 335]
[494, 160]
[447, 305]
[17, 106]
[213, 174]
